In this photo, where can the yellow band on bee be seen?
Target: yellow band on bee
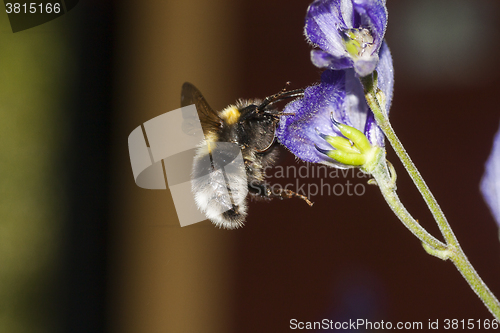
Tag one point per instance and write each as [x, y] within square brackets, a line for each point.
[230, 115]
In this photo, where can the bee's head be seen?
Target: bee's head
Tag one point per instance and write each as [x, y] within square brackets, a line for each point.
[262, 109]
[254, 111]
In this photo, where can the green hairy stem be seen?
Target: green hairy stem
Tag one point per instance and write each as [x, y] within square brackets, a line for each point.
[386, 181]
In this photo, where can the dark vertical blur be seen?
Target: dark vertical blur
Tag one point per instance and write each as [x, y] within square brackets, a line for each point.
[55, 107]
[88, 168]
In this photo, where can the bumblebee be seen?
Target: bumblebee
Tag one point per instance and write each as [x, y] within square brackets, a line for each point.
[231, 161]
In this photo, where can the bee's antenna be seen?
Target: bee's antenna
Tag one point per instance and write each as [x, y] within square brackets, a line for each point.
[282, 95]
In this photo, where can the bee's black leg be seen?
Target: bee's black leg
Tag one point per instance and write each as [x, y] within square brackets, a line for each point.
[265, 191]
[284, 193]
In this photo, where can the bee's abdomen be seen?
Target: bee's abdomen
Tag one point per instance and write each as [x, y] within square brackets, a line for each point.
[233, 218]
[220, 186]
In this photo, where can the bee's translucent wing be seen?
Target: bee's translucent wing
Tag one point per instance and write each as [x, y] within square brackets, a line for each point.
[208, 118]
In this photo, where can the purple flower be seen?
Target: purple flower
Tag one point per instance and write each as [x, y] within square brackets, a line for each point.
[348, 32]
[339, 95]
[490, 184]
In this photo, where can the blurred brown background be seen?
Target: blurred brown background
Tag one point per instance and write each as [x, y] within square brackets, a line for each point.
[347, 257]
[132, 268]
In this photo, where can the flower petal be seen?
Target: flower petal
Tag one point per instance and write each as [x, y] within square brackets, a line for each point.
[324, 21]
[371, 14]
[346, 9]
[490, 183]
[340, 93]
[322, 59]
[355, 104]
[311, 114]
[330, 24]
[366, 67]
[385, 71]
[385, 82]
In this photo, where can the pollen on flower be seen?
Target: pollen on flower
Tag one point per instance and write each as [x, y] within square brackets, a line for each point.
[358, 42]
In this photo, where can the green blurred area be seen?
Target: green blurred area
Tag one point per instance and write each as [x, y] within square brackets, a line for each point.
[35, 68]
